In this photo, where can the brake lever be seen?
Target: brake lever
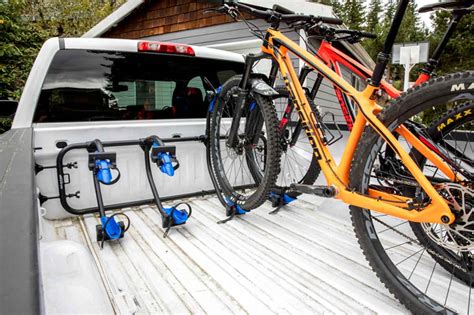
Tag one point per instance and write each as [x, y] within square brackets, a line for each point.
[354, 39]
[299, 25]
[321, 29]
[233, 12]
[222, 9]
[212, 10]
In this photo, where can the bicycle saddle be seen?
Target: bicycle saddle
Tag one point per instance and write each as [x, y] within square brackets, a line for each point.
[447, 5]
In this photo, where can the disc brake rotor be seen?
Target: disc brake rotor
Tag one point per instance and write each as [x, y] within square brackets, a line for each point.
[458, 236]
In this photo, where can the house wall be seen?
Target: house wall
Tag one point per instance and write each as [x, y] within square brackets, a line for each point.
[183, 21]
[166, 16]
[237, 32]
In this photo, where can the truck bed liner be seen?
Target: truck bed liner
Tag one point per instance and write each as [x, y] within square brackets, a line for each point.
[299, 260]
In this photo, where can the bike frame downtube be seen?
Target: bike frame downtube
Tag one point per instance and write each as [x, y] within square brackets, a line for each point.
[339, 175]
[290, 106]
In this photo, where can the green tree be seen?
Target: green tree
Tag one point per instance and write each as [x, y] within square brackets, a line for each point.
[374, 25]
[70, 18]
[457, 55]
[336, 7]
[326, 2]
[411, 29]
[353, 14]
[19, 44]
[373, 15]
[25, 25]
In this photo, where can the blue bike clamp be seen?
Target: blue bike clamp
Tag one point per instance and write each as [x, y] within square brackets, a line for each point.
[110, 229]
[102, 163]
[279, 200]
[165, 158]
[231, 209]
[175, 216]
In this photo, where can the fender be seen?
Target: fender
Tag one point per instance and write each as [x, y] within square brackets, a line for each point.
[259, 86]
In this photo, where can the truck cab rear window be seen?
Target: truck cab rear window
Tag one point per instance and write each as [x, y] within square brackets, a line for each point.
[86, 85]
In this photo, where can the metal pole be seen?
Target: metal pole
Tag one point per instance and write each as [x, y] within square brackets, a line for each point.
[406, 79]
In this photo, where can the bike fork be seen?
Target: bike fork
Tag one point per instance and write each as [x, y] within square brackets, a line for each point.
[241, 97]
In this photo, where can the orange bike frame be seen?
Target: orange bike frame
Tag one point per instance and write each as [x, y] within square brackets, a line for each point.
[279, 46]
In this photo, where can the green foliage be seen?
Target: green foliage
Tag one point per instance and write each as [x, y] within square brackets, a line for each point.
[70, 18]
[336, 7]
[456, 57]
[19, 44]
[373, 16]
[25, 25]
[5, 124]
[376, 26]
[353, 14]
[458, 54]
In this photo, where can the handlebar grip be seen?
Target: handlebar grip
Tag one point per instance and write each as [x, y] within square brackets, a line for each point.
[282, 10]
[367, 35]
[252, 11]
[331, 20]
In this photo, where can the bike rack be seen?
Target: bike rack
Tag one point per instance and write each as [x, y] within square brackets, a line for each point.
[102, 163]
[63, 178]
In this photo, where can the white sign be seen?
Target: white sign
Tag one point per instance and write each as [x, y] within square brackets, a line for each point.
[422, 47]
[409, 54]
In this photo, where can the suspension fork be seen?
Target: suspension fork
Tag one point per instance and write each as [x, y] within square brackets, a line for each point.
[241, 98]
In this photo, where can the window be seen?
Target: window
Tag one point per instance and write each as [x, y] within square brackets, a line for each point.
[198, 84]
[96, 85]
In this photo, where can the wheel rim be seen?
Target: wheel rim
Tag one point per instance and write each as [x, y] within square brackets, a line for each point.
[430, 271]
[239, 182]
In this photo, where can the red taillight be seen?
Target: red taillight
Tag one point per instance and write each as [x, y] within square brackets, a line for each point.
[167, 48]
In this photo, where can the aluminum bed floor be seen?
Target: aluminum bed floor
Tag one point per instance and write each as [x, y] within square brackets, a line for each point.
[304, 259]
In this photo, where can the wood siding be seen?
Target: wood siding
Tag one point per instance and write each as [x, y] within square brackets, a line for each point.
[166, 16]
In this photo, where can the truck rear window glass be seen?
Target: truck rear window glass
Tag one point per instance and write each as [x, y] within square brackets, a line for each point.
[84, 85]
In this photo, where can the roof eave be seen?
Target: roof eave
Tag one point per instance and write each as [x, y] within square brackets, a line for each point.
[114, 18]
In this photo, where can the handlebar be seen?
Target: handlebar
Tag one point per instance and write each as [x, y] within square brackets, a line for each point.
[282, 10]
[324, 19]
[329, 34]
[310, 23]
[277, 14]
[356, 33]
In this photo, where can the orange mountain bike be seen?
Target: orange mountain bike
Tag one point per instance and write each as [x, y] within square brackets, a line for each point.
[298, 165]
[429, 208]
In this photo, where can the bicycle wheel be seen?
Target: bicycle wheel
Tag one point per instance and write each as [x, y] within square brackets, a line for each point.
[257, 143]
[298, 164]
[453, 132]
[403, 262]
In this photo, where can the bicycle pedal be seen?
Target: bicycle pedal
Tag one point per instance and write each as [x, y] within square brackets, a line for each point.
[318, 190]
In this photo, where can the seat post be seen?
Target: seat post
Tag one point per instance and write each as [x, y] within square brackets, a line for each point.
[384, 56]
[433, 62]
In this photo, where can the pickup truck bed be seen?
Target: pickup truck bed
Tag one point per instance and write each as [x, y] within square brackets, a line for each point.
[301, 260]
